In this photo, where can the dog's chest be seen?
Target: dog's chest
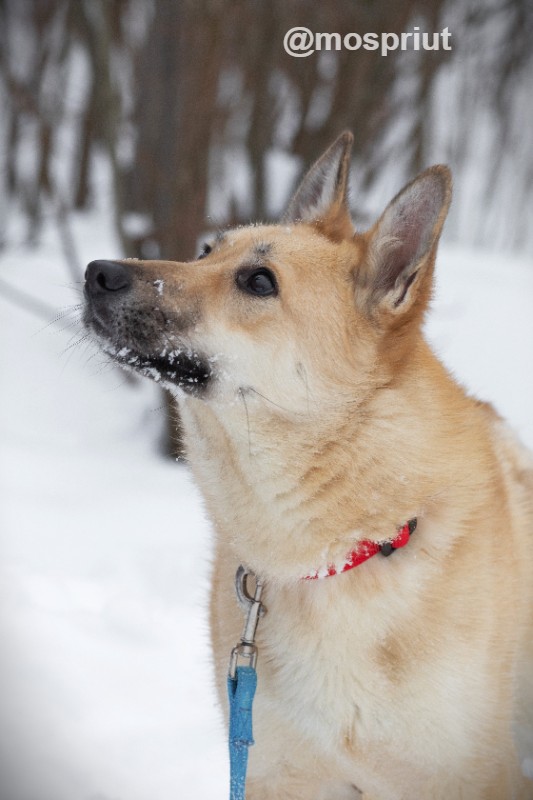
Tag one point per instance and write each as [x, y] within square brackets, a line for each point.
[329, 667]
[320, 664]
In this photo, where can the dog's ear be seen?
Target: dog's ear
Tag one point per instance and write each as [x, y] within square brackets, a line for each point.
[402, 244]
[322, 197]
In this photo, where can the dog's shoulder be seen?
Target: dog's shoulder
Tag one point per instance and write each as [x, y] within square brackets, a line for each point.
[515, 458]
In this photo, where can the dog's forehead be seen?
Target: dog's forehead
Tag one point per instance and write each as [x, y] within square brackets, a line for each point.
[270, 241]
[259, 237]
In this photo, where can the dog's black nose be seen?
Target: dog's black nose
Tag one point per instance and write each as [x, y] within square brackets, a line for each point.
[107, 276]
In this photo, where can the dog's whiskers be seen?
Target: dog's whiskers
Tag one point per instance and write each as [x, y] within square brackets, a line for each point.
[243, 397]
[73, 344]
[63, 313]
[302, 372]
[268, 400]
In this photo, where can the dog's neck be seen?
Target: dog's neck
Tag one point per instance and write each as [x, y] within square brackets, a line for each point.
[326, 483]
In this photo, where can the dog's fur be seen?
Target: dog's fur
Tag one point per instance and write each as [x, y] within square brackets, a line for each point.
[317, 416]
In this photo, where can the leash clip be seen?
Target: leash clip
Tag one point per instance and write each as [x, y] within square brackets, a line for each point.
[246, 652]
[253, 609]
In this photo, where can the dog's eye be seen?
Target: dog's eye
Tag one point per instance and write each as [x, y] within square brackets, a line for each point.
[206, 249]
[260, 282]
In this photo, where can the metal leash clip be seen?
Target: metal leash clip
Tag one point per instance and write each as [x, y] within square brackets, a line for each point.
[253, 608]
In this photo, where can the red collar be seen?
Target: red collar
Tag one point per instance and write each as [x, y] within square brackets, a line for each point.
[365, 550]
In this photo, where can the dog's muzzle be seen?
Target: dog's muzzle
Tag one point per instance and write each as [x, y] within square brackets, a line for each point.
[134, 328]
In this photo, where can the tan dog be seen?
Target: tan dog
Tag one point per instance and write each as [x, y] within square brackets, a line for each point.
[317, 418]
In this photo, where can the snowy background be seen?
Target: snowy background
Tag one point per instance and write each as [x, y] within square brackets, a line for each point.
[106, 684]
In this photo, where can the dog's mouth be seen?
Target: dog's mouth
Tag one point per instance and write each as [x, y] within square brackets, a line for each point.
[181, 367]
[173, 365]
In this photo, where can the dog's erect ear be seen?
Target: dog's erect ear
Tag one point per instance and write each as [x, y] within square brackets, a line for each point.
[322, 195]
[403, 242]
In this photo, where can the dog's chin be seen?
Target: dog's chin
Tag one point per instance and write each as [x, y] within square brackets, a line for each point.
[174, 367]
[177, 368]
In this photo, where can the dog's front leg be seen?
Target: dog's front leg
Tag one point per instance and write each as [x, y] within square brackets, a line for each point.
[296, 789]
[285, 766]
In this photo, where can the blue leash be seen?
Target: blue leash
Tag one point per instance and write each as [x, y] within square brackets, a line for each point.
[242, 683]
[241, 690]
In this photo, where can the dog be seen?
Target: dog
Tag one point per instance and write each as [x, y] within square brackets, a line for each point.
[388, 514]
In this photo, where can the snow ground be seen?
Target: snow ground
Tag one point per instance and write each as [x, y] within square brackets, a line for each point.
[107, 691]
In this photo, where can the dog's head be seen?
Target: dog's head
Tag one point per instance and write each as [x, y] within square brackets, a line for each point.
[295, 314]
